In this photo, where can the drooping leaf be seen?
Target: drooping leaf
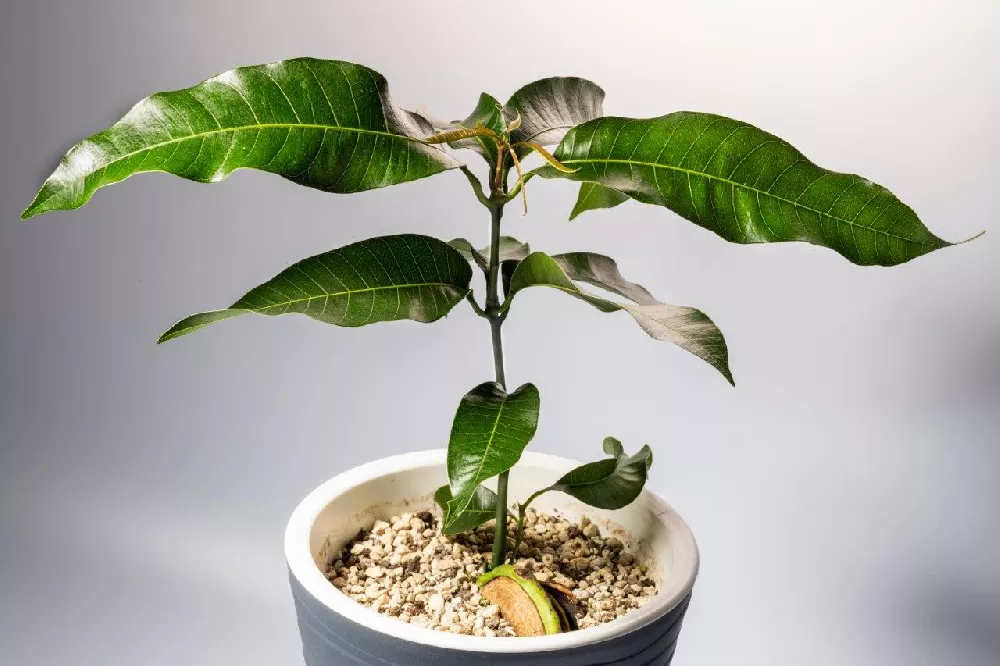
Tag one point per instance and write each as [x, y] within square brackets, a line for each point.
[686, 327]
[326, 124]
[490, 430]
[744, 184]
[593, 196]
[379, 279]
[611, 483]
[482, 508]
[550, 107]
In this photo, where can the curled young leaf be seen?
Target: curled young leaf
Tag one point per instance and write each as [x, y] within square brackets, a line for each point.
[488, 115]
[612, 483]
[688, 328]
[379, 279]
[325, 124]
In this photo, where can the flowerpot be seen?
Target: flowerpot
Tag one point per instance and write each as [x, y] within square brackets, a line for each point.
[337, 631]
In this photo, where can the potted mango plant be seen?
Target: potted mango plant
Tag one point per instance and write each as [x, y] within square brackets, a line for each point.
[420, 558]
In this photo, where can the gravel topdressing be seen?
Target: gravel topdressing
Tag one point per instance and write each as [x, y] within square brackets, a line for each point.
[407, 569]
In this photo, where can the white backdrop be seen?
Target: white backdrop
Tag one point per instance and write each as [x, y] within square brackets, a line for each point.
[844, 494]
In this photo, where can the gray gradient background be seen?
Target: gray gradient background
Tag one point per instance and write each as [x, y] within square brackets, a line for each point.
[844, 494]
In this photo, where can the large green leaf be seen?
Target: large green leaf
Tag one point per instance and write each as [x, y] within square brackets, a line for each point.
[481, 508]
[611, 483]
[490, 430]
[550, 107]
[744, 184]
[379, 279]
[325, 124]
[686, 327]
[593, 196]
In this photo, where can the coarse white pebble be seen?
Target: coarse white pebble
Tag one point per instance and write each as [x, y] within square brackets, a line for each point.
[406, 568]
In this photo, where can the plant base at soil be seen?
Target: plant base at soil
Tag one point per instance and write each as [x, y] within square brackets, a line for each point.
[407, 569]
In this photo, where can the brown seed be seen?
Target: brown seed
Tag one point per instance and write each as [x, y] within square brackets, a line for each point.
[515, 605]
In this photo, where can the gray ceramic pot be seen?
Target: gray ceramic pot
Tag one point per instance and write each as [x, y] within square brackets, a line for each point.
[336, 631]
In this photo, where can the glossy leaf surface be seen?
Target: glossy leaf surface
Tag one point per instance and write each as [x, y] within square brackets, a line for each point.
[489, 433]
[612, 483]
[379, 279]
[686, 327]
[326, 124]
[550, 107]
[594, 196]
[480, 509]
[744, 184]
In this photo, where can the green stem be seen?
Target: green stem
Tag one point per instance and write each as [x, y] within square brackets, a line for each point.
[475, 306]
[496, 321]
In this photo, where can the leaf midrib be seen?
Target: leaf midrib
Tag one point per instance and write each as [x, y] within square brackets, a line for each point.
[749, 188]
[254, 126]
[614, 472]
[482, 460]
[349, 293]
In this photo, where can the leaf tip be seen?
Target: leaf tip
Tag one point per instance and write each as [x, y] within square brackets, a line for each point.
[32, 210]
[969, 240]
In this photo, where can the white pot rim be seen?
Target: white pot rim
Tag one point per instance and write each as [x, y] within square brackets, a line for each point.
[303, 567]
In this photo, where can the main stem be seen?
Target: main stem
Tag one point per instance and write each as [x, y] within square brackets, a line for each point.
[496, 321]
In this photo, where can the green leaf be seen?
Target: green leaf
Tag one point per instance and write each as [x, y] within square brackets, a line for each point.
[744, 184]
[326, 124]
[686, 327]
[380, 279]
[593, 196]
[549, 107]
[490, 430]
[608, 484]
[507, 269]
[489, 114]
[613, 447]
[470, 253]
[511, 251]
[482, 508]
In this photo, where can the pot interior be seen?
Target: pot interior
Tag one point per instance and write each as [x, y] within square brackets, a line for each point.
[648, 527]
